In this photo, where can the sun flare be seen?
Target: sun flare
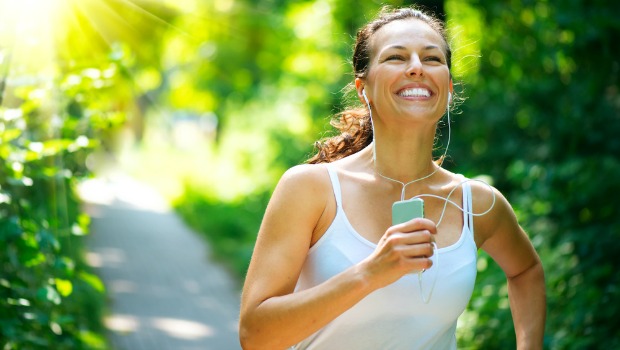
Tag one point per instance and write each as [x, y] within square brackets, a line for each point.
[27, 32]
[42, 37]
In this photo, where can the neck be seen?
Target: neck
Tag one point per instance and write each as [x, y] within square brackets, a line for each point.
[404, 158]
[406, 153]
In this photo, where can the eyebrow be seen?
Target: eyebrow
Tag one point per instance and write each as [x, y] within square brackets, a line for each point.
[400, 47]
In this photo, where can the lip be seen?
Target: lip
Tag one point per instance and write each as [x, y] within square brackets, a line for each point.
[415, 86]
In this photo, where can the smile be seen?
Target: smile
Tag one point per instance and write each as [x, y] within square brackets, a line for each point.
[416, 92]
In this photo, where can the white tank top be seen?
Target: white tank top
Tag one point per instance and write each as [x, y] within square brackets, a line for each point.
[393, 317]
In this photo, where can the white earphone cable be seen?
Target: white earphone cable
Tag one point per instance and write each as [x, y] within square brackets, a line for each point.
[445, 199]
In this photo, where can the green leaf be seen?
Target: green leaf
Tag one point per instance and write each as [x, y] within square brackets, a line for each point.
[49, 294]
[93, 340]
[55, 146]
[31, 258]
[64, 287]
[65, 266]
[10, 135]
[81, 227]
[92, 280]
[48, 240]
[9, 228]
[20, 302]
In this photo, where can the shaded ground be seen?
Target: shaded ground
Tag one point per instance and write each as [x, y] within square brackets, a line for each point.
[164, 291]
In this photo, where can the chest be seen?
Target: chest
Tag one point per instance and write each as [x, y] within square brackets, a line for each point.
[447, 286]
[369, 210]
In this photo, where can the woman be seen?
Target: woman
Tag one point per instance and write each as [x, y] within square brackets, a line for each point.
[331, 271]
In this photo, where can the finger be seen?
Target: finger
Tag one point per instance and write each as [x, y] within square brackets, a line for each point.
[416, 224]
[427, 263]
[410, 238]
[417, 251]
[419, 264]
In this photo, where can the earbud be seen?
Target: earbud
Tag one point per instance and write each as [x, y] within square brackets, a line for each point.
[365, 98]
[449, 99]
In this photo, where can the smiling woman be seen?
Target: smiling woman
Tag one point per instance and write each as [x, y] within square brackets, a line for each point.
[333, 269]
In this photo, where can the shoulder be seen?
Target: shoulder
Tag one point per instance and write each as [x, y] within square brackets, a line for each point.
[498, 231]
[306, 183]
[485, 196]
[299, 200]
[493, 212]
[305, 177]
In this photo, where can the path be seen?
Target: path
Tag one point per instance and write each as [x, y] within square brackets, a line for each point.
[165, 293]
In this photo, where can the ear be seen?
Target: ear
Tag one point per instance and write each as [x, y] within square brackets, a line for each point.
[359, 86]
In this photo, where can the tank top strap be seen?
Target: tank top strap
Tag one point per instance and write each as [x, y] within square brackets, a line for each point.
[468, 217]
[333, 175]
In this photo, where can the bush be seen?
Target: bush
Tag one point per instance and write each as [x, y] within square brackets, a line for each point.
[48, 296]
[542, 120]
[230, 227]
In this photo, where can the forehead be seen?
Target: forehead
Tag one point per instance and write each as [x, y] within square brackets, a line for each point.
[406, 32]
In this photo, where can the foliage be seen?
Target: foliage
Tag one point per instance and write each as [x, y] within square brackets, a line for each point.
[69, 72]
[541, 119]
[273, 78]
[540, 83]
[48, 296]
[233, 234]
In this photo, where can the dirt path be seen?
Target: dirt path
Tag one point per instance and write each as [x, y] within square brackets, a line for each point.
[165, 292]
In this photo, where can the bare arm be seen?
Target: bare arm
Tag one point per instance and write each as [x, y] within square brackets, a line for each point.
[528, 305]
[272, 316]
[509, 246]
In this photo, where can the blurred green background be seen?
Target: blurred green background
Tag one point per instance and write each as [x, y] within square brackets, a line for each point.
[211, 101]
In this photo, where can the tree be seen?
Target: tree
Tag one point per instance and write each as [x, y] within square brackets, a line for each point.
[541, 119]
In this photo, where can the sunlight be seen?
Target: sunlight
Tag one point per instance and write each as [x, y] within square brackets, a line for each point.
[122, 188]
[27, 33]
[183, 329]
[122, 323]
[29, 14]
[173, 327]
[41, 39]
[465, 31]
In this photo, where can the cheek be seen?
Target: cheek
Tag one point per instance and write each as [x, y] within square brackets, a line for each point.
[441, 76]
[383, 74]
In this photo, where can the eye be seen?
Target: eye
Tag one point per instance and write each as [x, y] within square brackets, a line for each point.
[434, 59]
[394, 57]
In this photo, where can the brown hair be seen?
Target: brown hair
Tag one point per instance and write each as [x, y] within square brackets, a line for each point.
[354, 123]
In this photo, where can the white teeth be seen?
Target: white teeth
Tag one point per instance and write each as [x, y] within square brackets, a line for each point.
[417, 92]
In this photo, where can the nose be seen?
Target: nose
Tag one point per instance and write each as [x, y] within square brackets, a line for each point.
[415, 67]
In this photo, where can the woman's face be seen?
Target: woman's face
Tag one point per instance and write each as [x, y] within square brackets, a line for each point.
[408, 75]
